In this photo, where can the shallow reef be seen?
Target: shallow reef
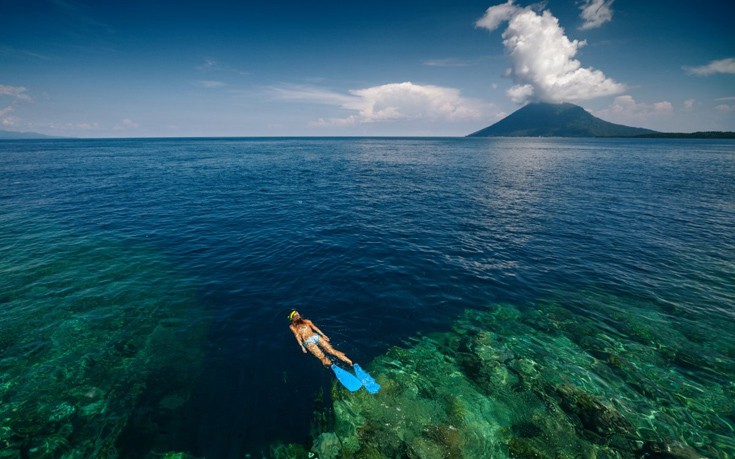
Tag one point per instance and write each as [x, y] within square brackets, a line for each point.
[90, 327]
[543, 382]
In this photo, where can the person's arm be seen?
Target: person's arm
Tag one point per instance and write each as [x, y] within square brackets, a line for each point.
[298, 338]
[316, 329]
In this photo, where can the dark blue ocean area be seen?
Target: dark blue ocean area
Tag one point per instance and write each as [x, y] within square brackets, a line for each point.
[514, 298]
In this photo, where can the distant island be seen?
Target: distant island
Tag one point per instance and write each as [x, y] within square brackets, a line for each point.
[569, 120]
[15, 135]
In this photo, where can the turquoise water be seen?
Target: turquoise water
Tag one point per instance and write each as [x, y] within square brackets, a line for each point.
[514, 297]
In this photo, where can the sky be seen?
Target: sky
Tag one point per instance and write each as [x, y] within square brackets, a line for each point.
[157, 68]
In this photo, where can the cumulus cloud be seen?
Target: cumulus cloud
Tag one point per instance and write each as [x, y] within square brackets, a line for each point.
[718, 66]
[411, 101]
[388, 102]
[689, 104]
[595, 13]
[725, 108]
[542, 58]
[625, 109]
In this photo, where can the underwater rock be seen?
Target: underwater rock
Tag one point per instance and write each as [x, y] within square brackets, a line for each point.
[289, 451]
[448, 439]
[62, 411]
[327, 446]
[526, 429]
[672, 450]
[594, 415]
[521, 448]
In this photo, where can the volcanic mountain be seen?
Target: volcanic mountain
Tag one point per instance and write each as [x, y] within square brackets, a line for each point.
[556, 120]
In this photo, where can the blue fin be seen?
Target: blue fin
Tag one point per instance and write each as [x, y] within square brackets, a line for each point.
[346, 378]
[370, 384]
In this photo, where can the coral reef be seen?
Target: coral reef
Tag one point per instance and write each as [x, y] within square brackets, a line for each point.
[543, 382]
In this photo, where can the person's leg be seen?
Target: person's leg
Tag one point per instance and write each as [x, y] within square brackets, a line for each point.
[314, 349]
[340, 355]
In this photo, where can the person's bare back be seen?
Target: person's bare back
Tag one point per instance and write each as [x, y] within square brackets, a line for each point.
[310, 337]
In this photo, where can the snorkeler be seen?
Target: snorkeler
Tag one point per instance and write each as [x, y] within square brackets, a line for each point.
[310, 337]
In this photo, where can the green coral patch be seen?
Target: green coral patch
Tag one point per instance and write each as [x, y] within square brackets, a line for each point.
[540, 382]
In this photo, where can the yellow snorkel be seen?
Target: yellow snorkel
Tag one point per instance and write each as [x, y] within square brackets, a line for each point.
[293, 313]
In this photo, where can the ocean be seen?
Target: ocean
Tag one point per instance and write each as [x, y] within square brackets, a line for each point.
[514, 297]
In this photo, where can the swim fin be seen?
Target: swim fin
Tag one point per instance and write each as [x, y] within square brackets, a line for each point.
[370, 384]
[346, 378]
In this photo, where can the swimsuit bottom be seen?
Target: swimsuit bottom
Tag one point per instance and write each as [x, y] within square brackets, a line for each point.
[313, 339]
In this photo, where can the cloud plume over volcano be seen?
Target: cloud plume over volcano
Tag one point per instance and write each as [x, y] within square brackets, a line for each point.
[543, 66]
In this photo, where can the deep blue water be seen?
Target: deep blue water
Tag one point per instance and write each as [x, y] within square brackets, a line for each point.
[375, 240]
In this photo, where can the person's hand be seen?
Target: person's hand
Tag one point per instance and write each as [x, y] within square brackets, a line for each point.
[303, 349]
[326, 338]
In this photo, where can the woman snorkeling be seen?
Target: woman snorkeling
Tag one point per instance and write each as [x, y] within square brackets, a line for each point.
[310, 337]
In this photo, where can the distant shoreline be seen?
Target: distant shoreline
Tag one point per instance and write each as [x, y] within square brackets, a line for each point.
[691, 135]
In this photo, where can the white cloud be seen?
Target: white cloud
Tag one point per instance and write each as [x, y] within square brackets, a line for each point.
[520, 93]
[689, 104]
[725, 108]
[625, 109]
[542, 58]
[718, 66]
[388, 102]
[19, 92]
[498, 14]
[595, 13]
[411, 101]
